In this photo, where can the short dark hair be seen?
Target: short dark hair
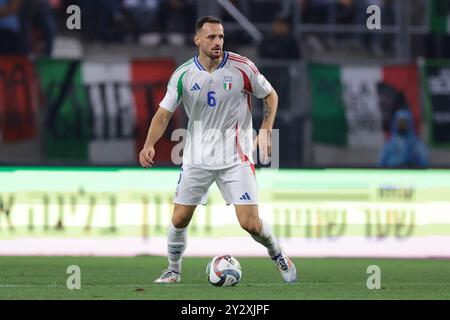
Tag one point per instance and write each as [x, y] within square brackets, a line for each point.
[207, 19]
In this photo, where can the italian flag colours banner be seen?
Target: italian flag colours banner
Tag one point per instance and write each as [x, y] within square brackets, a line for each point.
[353, 105]
[100, 110]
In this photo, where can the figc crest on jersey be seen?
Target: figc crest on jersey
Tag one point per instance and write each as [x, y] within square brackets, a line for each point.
[227, 82]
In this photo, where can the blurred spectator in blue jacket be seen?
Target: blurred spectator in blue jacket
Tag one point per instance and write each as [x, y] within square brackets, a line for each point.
[10, 37]
[404, 149]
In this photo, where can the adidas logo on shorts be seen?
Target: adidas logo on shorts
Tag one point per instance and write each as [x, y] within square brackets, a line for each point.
[245, 196]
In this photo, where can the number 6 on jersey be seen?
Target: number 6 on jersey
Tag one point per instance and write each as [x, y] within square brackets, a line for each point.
[212, 102]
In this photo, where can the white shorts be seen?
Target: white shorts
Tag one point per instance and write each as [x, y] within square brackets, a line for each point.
[237, 185]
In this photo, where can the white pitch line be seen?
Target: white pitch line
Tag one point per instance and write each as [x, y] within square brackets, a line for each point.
[150, 286]
[140, 285]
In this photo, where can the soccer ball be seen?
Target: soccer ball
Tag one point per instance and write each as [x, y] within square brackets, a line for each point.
[223, 271]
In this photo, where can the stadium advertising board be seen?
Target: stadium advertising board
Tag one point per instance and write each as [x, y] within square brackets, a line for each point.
[331, 212]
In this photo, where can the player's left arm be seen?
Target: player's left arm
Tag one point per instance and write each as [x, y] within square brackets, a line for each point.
[265, 134]
[262, 89]
[270, 110]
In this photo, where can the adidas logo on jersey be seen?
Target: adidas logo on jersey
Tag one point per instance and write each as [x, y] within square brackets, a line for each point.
[195, 87]
[245, 196]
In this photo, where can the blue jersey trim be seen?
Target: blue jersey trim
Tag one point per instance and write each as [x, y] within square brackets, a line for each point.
[198, 64]
[221, 65]
[225, 58]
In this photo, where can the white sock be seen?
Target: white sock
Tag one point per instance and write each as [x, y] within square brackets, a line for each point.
[176, 244]
[267, 239]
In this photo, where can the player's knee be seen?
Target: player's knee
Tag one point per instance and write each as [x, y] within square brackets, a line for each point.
[181, 216]
[179, 222]
[252, 227]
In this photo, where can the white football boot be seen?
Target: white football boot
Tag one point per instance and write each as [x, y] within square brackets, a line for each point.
[169, 276]
[286, 267]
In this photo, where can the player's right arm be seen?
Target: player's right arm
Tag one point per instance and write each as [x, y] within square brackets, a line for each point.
[157, 127]
[168, 105]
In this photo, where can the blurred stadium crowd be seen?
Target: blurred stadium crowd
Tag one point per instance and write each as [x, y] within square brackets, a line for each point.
[295, 34]
[31, 25]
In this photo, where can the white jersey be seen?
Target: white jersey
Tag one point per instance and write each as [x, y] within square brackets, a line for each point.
[218, 105]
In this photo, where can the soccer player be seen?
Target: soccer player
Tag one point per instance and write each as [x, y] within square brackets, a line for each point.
[215, 89]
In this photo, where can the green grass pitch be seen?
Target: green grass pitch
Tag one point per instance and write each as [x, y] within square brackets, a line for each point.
[131, 278]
